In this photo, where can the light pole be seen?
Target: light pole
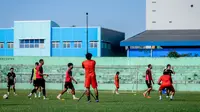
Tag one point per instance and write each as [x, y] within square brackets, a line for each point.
[87, 32]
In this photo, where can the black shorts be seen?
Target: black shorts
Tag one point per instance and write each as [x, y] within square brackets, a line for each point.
[69, 85]
[149, 85]
[34, 82]
[40, 83]
[11, 83]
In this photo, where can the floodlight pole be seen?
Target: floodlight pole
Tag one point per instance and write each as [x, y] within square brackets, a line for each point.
[87, 32]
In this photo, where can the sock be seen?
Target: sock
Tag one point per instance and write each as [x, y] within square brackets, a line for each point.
[44, 92]
[97, 97]
[88, 97]
[39, 94]
[35, 94]
[59, 95]
[8, 89]
[33, 91]
[73, 96]
[14, 90]
[171, 97]
[160, 97]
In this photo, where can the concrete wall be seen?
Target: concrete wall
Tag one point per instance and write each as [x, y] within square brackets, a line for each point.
[132, 72]
[195, 52]
[6, 35]
[32, 30]
[172, 14]
[72, 34]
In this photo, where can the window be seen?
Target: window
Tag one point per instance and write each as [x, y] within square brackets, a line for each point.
[31, 43]
[153, 21]
[77, 44]
[66, 44]
[109, 46]
[10, 45]
[55, 44]
[93, 44]
[1, 45]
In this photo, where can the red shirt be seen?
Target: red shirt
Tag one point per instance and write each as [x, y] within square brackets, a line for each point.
[148, 75]
[166, 80]
[89, 66]
[39, 70]
[116, 79]
[68, 76]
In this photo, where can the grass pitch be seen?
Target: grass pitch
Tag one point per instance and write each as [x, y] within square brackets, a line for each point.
[125, 102]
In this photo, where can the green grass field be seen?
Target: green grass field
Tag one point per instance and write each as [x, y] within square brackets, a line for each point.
[125, 102]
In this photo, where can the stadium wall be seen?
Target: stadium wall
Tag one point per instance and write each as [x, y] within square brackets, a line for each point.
[132, 72]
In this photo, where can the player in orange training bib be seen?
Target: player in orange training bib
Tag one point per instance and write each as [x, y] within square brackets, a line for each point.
[90, 76]
[165, 82]
[116, 83]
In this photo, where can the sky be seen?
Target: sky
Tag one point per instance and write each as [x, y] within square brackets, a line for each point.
[122, 15]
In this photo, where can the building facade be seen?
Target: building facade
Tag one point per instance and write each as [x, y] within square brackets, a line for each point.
[46, 38]
[171, 25]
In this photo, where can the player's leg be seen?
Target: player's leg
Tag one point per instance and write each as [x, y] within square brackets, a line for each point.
[63, 91]
[39, 92]
[8, 88]
[116, 90]
[73, 91]
[172, 92]
[94, 85]
[167, 92]
[36, 85]
[87, 86]
[43, 89]
[149, 89]
[14, 89]
[160, 92]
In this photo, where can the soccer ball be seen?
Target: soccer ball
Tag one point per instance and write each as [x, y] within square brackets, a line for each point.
[5, 96]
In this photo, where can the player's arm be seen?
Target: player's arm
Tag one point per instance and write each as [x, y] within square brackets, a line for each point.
[83, 65]
[173, 72]
[73, 79]
[41, 72]
[159, 81]
[14, 78]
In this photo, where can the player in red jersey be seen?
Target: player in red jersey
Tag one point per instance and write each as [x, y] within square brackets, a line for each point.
[90, 76]
[116, 83]
[68, 82]
[166, 83]
[40, 81]
[169, 71]
[11, 80]
[149, 81]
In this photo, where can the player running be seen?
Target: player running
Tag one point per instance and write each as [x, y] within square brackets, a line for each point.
[169, 71]
[116, 83]
[33, 79]
[166, 83]
[40, 79]
[149, 81]
[11, 80]
[68, 82]
[90, 76]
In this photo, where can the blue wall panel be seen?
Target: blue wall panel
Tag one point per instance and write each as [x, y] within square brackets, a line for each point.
[73, 34]
[6, 35]
[162, 52]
